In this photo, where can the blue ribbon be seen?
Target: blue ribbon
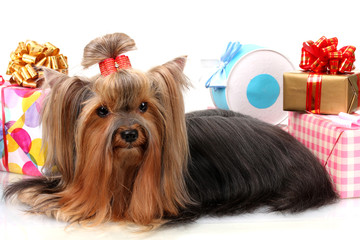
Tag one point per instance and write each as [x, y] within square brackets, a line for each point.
[218, 79]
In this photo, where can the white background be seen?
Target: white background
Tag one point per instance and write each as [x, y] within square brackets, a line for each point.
[201, 29]
[164, 29]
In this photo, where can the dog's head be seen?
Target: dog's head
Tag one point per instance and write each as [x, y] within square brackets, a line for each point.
[118, 141]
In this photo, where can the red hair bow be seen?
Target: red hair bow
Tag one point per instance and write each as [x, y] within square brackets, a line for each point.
[111, 65]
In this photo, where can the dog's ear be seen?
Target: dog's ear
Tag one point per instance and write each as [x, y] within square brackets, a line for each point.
[179, 62]
[169, 81]
[52, 77]
[61, 108]
[172, 74]
[176, 68]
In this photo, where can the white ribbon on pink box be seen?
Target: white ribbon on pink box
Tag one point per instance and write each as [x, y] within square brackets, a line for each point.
[346, 120]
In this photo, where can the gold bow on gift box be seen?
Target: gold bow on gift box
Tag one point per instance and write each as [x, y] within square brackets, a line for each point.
[29, 57]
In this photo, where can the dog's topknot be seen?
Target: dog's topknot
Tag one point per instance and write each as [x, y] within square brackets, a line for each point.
[108, 46]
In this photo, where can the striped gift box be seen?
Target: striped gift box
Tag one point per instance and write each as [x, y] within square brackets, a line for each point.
[337, 148]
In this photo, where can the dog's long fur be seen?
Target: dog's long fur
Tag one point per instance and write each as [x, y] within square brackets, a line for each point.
[179, 167]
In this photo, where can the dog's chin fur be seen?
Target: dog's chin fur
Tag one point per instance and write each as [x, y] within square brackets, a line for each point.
[212, 162]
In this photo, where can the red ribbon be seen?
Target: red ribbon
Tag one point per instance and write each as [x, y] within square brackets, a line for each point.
[111, 65]
[322, 56]
[313, 99]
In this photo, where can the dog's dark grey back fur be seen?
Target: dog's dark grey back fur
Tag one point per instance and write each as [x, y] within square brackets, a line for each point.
[239, 163]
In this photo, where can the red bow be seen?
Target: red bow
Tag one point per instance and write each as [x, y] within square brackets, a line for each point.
[322, 56]
[111, 65]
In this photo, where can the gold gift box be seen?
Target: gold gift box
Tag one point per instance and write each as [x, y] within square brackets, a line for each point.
[339, 93]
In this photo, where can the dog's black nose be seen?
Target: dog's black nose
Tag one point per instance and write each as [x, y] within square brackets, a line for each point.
[129, 135]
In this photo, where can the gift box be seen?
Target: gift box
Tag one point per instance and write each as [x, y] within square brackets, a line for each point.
[327, 84]
[338, 149]
[321, 93]
[20, 141]
[249, 80]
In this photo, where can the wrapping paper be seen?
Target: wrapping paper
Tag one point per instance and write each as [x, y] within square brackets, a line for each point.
[337, 148]
[20, 140]
[331, 94]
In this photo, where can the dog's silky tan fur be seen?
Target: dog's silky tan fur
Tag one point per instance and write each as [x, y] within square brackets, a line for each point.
[175, 168]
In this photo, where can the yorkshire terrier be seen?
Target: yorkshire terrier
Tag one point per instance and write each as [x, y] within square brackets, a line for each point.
[119, 147]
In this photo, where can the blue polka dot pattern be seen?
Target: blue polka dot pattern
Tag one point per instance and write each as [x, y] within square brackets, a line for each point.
[263, 91]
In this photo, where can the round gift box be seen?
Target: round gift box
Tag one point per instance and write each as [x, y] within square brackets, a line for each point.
[254, 84]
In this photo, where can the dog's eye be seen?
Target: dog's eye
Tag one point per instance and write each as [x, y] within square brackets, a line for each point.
[102, 111]
[143, 107]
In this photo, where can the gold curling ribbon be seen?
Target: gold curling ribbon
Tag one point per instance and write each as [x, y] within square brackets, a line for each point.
[31, 70]
[8, 70]
[41, 62]
[21, 48]
[29, 84]
[25, 74]
[17, 77]
[28, 57]
[62, 62]
[51, 50]
[34, 48]
[54, 63]
[13, 56]
[16, 67]
[48, 62]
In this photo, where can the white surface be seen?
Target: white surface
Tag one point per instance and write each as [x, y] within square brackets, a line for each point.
[331, 222]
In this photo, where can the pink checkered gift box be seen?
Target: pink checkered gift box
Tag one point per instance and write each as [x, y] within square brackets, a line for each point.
[338, 149]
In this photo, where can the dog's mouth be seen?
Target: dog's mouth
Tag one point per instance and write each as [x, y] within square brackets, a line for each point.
[125, 145]
[128, 146]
